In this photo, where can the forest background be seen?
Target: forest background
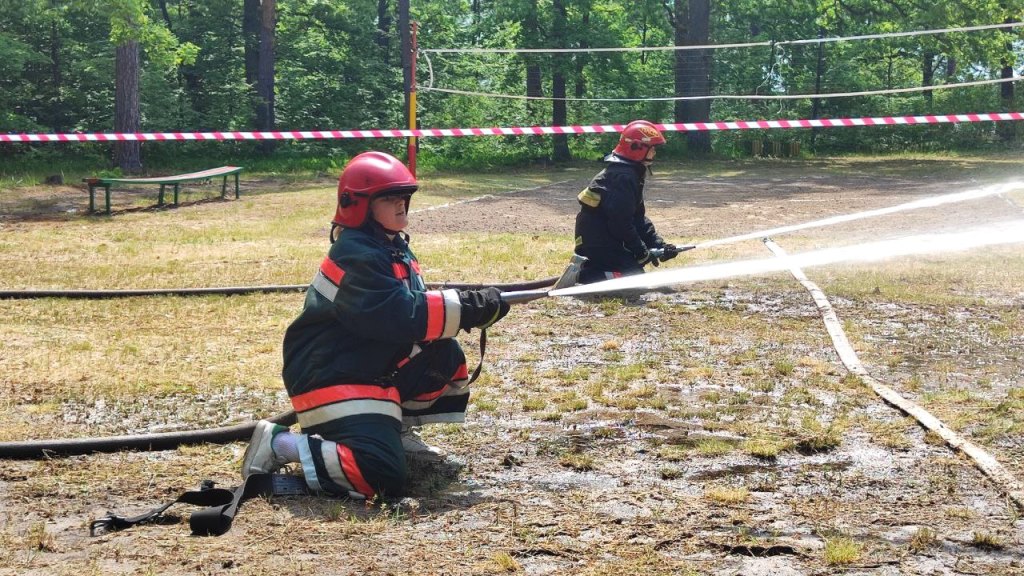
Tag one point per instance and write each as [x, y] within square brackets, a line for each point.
[190, 65]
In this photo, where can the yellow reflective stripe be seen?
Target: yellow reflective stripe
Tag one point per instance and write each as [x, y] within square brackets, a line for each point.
[589, 197]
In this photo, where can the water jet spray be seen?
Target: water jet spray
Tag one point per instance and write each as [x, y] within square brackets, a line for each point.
[1003, 233]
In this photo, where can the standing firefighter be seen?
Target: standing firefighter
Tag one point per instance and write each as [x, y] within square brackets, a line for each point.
[612, 227]
[373, 352]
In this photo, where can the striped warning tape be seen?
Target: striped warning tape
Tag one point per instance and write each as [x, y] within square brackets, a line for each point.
[514, 131]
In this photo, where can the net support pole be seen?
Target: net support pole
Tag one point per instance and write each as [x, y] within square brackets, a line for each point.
[412, 144]
[407, 50]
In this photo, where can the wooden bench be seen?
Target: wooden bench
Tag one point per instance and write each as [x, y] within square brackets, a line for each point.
[163, 181]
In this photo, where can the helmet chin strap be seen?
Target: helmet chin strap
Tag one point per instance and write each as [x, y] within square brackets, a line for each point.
[649, 156]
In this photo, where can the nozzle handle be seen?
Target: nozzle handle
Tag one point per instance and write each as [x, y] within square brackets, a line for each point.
[658, 253]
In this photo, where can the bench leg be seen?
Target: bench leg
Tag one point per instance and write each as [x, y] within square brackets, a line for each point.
[106, 190]
[160, 198]
[176, 194]
[224, 188]
[92, 198]
[236, 185]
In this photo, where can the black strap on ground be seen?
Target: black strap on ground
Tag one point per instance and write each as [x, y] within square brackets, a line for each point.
[219, 505]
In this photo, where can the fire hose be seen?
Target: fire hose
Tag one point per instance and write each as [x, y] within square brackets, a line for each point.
[36, 449]
[237, 290]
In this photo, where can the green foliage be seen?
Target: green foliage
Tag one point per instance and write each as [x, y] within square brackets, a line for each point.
[338, 66]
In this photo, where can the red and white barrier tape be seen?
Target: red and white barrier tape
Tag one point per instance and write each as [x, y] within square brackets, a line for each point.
[515, 131]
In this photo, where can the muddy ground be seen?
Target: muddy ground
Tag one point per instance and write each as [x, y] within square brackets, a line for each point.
[655, 471]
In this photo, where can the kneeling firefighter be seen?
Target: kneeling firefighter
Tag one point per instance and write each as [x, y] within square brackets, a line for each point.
[373, 354]
[612, 228]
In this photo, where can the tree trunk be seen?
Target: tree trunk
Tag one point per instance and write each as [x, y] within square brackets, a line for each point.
[165, 14]
[57, 113]
[476, 10]
[265, 73]
[384, 27]
[581, 59]
[531, 32]
[1007, 131]
[819, 70]
[251, 39]
[127, 155]
[560, 142]
[928, 75]
[534, 78]
[678, 20]
[405, 46]
[698, 31]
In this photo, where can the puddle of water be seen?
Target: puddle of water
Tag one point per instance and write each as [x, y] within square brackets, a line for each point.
[748, 469]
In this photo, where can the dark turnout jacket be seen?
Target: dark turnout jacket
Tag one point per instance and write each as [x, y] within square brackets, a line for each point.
[366, 308]
[612, 227]
[372, 350]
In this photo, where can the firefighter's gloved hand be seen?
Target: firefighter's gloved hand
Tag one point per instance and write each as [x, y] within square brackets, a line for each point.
[669, 251]
[481, 308]
[644, 258]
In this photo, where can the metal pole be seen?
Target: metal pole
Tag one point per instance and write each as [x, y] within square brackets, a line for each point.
[412, 98]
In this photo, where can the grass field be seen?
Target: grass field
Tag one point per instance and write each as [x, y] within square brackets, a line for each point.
[709, 429]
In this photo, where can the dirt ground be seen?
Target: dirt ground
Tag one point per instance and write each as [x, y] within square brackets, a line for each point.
[651, 481]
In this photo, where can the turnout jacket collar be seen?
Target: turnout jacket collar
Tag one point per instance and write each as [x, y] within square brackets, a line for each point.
[641, 169]
[614, 158]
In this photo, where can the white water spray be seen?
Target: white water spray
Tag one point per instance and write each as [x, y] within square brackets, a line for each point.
[923, 203]
[993, 234]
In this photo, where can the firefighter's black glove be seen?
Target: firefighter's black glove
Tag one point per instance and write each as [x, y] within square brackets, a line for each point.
[644, 258]
[669, 251]
[481, 308]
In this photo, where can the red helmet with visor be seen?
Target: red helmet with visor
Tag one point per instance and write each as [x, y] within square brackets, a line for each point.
[636, 141]
[367, 176]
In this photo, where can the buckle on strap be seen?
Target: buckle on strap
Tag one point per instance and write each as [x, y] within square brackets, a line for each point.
[109, 523]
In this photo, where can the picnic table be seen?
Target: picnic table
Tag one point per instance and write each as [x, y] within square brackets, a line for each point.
[163, 181]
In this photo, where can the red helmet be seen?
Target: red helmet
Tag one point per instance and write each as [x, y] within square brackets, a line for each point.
[637, 138]
[367, 176]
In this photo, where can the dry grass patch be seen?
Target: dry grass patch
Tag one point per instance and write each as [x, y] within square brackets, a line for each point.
[923, 539]
[727, 495]
[842, 551]
[987, 541]
[577, 461]
[816, 436]
[505, 562]
[764, 448]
